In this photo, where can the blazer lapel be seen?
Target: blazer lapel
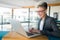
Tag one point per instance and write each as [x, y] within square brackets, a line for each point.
[39, 24]
[45, 23]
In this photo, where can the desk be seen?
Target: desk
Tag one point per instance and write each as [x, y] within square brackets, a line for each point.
[16, 36]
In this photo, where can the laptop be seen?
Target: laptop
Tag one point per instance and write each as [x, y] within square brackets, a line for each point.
[17, 27]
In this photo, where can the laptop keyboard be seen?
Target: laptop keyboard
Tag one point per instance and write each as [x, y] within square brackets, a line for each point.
[29, 34]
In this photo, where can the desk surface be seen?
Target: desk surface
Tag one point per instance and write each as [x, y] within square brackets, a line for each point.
[16, 36]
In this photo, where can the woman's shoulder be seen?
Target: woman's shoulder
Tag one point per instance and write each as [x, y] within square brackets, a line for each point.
[51, 18]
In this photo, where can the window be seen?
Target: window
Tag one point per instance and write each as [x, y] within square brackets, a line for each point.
[5, 15]
[33, 18]
[21, 14]
[27, 16]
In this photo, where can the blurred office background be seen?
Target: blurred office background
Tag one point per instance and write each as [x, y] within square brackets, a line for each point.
[26, 14]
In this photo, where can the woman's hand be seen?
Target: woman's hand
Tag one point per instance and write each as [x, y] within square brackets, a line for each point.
[34, 30]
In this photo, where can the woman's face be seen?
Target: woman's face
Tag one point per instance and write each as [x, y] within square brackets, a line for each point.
[41, 11]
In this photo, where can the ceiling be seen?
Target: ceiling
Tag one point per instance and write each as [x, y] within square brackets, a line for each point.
[21, 3]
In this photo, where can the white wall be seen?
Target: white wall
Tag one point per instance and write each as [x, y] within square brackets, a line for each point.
[55, 9]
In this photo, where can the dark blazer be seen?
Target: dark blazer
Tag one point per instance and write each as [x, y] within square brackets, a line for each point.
[50, 27]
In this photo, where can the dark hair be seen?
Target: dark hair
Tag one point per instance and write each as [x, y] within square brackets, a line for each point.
[44, 5]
